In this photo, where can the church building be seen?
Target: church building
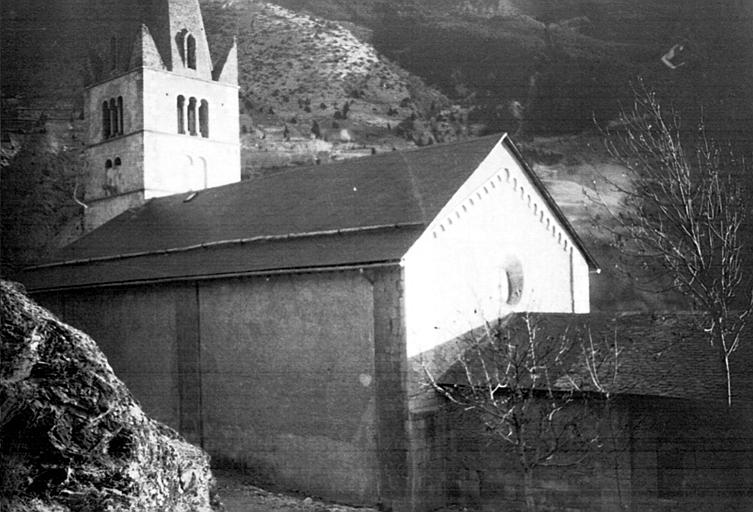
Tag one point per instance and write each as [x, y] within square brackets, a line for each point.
[282, 322]
[272, 320]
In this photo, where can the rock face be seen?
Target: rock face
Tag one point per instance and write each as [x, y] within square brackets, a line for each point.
[71, 435]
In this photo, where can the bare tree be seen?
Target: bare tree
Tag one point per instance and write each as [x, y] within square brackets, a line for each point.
[544, 395]
[681, 226]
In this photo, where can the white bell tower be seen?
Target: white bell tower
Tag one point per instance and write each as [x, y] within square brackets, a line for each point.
[160, 119]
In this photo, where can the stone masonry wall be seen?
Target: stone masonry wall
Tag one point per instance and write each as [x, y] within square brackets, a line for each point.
[288, 380]
[458, 464]
[656, 455]
[136, 330]
[691, 455]
[390, 362]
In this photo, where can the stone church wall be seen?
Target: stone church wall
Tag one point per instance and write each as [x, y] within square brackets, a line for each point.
[136, 329]
[99, 212]
[186, 15]
[298, 379]
[130, 87]
[288, 380]
[106, 180]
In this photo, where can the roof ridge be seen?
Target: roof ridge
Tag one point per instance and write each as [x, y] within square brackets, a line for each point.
[284, 171]
[432, 147]
[415, 192]
[205, 245]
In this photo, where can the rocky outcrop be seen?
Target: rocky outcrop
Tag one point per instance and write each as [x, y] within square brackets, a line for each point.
[72, 437]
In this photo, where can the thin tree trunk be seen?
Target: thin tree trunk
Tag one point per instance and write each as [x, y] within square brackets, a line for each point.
[729, 380]
[725, 354]
[528, 490]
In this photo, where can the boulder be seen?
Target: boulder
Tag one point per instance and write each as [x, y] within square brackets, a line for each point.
[72, 437]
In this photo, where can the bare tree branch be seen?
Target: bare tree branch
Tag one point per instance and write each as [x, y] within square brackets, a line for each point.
[534, 392]
[682, 216]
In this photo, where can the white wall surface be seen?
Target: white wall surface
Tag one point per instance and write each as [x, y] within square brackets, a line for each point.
[161, 91]
[176, 162]
[179, 163]
[456, 274]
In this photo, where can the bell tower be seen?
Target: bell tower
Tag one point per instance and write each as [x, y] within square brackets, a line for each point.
[161, 119]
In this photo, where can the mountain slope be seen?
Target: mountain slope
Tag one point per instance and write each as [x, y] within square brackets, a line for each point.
[561, 63]
[303, 77]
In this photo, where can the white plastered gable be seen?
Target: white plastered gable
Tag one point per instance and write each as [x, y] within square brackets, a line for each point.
[496, 247]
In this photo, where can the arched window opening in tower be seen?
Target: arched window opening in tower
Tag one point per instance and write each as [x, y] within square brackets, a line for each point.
[204, 118]
[204, 174]
[192, 116]
[120, 115]
[105, 120]
[108, 164]
[191, 51]
[180, 41]
[117, 161]
[113, 117]
[113, 52]
[181, 107]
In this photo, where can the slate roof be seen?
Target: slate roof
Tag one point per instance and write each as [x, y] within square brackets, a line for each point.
[663, 355]
[360, 211]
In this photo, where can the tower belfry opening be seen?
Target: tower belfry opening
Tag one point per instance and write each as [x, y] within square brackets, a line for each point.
[191, 51]
[204, 118]
[181, 114]
[192, 116]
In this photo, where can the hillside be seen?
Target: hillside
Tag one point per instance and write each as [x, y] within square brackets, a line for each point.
[557, 64]
[531, 67]
[297, 72]
[311, 90]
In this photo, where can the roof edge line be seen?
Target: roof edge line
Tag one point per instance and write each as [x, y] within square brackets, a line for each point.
[208, 245]
[558, 214]
[225, 275]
